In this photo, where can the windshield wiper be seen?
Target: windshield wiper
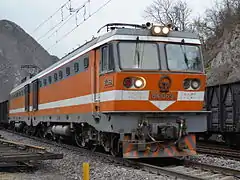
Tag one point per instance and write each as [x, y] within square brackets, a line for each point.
[137, 52]
[184, 53]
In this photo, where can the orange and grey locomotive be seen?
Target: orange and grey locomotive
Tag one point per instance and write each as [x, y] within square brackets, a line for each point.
[136, 90]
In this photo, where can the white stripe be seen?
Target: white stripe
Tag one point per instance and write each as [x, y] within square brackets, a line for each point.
[67, 102]
[190, 96]
[17, 110]
[117, 95]
[115, 37]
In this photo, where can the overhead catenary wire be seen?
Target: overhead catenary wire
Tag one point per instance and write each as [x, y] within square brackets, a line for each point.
[69, 17]
[77, 25]
[69, 8]
[41, 24]
[64, 21]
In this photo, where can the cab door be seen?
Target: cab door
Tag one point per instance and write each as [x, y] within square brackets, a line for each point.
[35, 95]
[103, 68]
[27, 94]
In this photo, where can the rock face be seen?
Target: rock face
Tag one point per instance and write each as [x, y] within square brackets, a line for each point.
[17, 48]
[223, 58]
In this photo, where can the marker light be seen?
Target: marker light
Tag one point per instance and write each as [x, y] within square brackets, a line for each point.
[138, 83]
[186, 83]
[127, 82]
[195, 83]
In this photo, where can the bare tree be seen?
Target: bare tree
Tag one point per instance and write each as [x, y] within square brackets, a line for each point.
[224, 15]
[169, 11]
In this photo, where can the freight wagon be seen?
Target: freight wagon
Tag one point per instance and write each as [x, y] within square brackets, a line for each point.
[4, 113]
[224, 120]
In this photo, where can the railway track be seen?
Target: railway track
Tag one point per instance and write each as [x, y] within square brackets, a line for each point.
[18, 155]
[185, 169]
[219, 151]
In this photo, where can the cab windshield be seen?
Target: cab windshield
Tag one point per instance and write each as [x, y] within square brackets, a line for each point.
[139, 55]
[182, 57]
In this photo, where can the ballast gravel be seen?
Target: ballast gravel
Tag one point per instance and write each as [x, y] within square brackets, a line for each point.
[70, 167]
[217, 161]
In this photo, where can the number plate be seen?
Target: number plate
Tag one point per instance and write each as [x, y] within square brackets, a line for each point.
[157, 96]
[190, 96]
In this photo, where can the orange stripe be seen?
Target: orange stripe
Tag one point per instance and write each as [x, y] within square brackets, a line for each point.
[176, 152]
[135, 153]
[188, 143]
[145, 154]
[80, 84]
[129, 148]
[193, 138]
[126, 105]
[157, 151]
[55, 111]
[168, 152]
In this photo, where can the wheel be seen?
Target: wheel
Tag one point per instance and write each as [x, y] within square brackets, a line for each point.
[114, 147]
[91, 146]
[80, 141]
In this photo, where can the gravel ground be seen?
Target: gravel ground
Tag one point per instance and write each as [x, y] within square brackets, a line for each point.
[70, 167]
[217, 161]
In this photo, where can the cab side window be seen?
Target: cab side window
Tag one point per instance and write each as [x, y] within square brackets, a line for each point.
[107, 61]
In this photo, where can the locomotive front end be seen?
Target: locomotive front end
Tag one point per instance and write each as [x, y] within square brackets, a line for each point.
[162, 82]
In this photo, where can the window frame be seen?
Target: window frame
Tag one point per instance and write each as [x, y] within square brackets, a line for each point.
[50, 79]
[76, 67]
[60, 76]
[55, 77]
[66, 70]
[186, 71]
[135, 69]
[110, 55]
[45, 82]
[86, 62]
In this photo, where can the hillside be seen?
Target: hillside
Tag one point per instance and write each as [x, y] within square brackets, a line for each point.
[18, 48]
[223, 57]
[219, 28]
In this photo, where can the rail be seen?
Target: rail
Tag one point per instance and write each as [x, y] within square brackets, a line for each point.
[219, 151]
[15, 154]
[187, 169]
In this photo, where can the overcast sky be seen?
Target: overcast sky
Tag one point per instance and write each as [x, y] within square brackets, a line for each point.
[29, 14]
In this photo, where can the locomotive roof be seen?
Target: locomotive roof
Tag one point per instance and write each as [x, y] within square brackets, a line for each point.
[120, 33]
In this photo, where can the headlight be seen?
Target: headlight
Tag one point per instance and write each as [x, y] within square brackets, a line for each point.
[195, 83]
[160, 30]
[157, 29]
[165, 30]
[138, 83]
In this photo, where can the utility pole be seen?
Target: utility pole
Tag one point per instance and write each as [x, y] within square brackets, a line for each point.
[31, 69]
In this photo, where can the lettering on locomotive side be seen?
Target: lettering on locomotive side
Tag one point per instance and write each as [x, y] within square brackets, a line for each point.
[156, 95]
[108, 82]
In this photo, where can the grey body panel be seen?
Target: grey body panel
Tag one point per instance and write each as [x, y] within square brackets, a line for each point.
[124, 122]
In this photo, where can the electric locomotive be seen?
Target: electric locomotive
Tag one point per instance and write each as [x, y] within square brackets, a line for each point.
[136, 90]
